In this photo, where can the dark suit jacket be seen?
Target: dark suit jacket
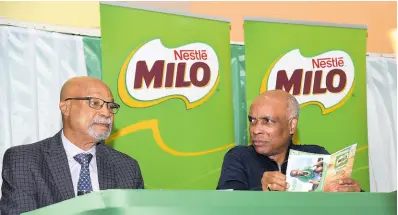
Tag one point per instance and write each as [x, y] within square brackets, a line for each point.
[37, 175]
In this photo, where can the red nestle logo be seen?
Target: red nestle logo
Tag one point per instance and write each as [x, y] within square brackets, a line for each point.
[328, 62]
[190, 55]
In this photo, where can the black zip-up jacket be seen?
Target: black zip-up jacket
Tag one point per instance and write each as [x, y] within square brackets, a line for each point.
[243, 167]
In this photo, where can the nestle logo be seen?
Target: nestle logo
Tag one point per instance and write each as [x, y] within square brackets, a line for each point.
[327, 62]
[325, 80]
[154, 73]
[190, 54]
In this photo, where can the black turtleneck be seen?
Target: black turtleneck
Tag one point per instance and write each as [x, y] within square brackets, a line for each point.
[243, 167]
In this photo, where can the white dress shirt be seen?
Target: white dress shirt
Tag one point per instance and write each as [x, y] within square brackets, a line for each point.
[72, 150]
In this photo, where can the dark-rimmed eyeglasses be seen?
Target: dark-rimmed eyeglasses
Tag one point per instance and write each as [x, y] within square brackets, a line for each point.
[97, 103]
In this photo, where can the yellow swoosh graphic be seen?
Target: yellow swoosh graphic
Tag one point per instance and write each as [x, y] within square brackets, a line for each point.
[360, 168]
[362, 148]
[154, 126]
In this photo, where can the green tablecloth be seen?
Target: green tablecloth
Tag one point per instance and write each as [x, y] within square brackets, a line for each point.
[162, 202]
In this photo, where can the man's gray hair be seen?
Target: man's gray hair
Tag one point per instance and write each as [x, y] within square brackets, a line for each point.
[293, 107]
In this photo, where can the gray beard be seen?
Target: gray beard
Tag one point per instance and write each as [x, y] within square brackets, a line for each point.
[98, 136]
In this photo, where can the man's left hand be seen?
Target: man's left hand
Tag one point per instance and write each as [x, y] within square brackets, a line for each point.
[348, 185]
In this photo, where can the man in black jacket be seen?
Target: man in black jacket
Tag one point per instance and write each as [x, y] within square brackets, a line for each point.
[273, 121]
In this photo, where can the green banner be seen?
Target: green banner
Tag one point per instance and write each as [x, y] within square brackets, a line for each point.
[323, 66]
[171, 75]
[239, 93]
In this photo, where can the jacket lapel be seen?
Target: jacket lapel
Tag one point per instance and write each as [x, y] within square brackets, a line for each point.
[58, 164]
[106, 171]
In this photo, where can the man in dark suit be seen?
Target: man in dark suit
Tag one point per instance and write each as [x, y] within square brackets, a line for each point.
[273, 119]
[73, 162]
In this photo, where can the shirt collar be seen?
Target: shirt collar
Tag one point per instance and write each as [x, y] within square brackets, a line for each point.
[72, 150]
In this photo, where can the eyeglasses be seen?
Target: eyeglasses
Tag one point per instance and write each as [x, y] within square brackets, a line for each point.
[97, 103]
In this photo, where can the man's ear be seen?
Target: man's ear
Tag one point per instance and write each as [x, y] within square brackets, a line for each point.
[64, 107]
[293, 126]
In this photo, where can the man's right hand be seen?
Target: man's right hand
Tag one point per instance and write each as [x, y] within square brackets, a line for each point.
[276, 180]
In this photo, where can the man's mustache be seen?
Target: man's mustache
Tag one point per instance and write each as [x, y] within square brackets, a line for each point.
[102, 120]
